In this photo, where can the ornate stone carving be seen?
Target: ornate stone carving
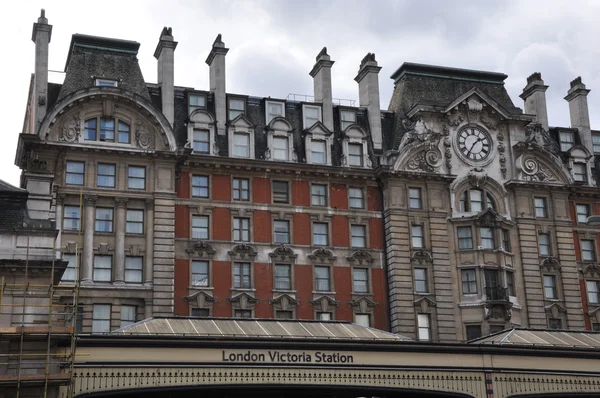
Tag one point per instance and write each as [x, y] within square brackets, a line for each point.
[143, 138]
[360, 257]
[283, 253]
[498, 312]
[104, 249]
[531, 169]
[550, 264]
[421, 256]
[488, 218]
[591, 269]
[324, 303]
[427, 161]
[202, 299]
[474, 104]
[536, 135]
[135, 250]
[200, 249]
[477, 177]
[417, 132]
[149, 203]
[447, 123]
[70, 247]
[556, 311]
[284, 302]
[243, 301]
[215, 149]
[243, 251]
[90, 200]
[424, 304]
[121, 202]
[71, 129]
[363, 305]
[502, 154]
[33, 163]
[322, 255]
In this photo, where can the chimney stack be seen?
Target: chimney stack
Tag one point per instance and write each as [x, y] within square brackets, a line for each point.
[368, 93]
[41, 35]
[321, 74]
[165, 54]
[580, 116]
[534, 95]
[216, 64]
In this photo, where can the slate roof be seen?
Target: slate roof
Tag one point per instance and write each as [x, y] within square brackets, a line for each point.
[541, 337]
[13, 210]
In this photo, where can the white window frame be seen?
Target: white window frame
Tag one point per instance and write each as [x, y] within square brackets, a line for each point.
[202, 120]
[353, 121]
[192, 108]
[270, 116]
[585, 215]
[200, 282]
[596, 143]
[563, 144]
[362, 197]
[229, 109]
[287, 141]
[362, 320]
[241, 126]
[319, 118]
[356, 135]
[424, 327]
[353, 236]
[318, 134]
[283, 129]
[586, 173]
[314, 142]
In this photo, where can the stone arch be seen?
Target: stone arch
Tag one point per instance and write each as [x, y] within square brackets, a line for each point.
[477, 178]
[532, 163]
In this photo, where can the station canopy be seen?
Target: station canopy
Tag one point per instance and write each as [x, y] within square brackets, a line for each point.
[540, 337]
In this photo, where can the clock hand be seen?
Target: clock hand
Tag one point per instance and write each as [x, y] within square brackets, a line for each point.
[473, 146]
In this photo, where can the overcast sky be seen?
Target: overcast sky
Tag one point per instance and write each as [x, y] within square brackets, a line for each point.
[273, 44]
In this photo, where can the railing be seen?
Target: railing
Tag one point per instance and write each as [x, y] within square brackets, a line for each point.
[311, 98]
[497, 293]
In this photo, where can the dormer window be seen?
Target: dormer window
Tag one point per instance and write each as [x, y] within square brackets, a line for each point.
[281, 148]
[103, 129]
[355, 147]
[566, 140]
[241, 145]
[475, 200]
[236, 106]
[273, 110]
[596, 143]
[196, 101]
[355, 154]
[311, 114]
[580, 172]
[347, 118]
[201, 142]
[318, 151]
[106, 83]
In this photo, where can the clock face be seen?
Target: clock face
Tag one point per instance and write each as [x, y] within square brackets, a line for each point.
[474, 144]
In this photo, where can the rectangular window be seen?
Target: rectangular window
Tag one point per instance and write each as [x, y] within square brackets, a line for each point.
[102, 271]
[506, 240]
[580, 172]
[241, 145]
[469, 281]
[322, 280]
[196, 101]
[593, 291]
[596, 142]
[541, 209]
[281, 148]
[473, 332]
[360, 280]
[237, 106]
[242, 314]
[355, 155]
[241, 276]
[106, 175]
[89, 132]
[106, 83]
[135, 221]
[550, 287]
[476, 200]
[326, 316]
[101, 318]
[200, 273]
[587, 250]
[201, 141]
[128, 315]
[510, 284]
[274, 109]
[318, 195]
[493, 290]
[362, 320]
[555, 323]
[421, 285]
[107, 129]
[544, 246]
[71, 271]
[487, 237]
[320, 234]
[134, 269]
[424, 327]
[318, 153]
[358, 235]
[104, 219]
[347, 118]
[414, 198]
[124, 134]
[241, 229]
[241, 189]
[312, 114]
[583, 212]
[136, 177]
[199, 227]
[416, 235]
[283, 276]
[200, 312]
[72, 218]
[75, 173]
[200, 187]
[465, 238]
[356, 198]
[281, 192]
[281, 231]
[566, 140]
[284, 314]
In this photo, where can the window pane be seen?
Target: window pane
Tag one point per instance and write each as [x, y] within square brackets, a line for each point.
[124, 137]
[424, 329]
[544, 244]
[587, 250]
[322, 282]
[318, 153]
[101, 318]
[89, 132]
[421, 280]
[487, 238]
[318, 195]
[320, 234]
[280, 192]
[360, 280]
[280, 148]
[281, 231]
[201, 141]
[199, 227]
[241, 189]
[128, 315]
[362, 320]
[417, 236]
[200, 186]
[312, 114]
[241, 276]
[355, 154]
[106, 175]
[358, 234]
[580, 172]
[596, 143]
[414, 195]
[241, 145]
[465, 238]
[476, 197]
[274, 109]
[75, 173]
[71, 271]
[71, 218]
[134, 269]
[135, 221]
[346, 119]
[136, 177]
[107, 129]
[104, 220]
[324, 316]
[540, 207]
[583, 212]
[469, 282]
[550, 286]
[283, 276]
[566, 141]
[593, 290]
[356, 198]
[200, 273]
[102, 271]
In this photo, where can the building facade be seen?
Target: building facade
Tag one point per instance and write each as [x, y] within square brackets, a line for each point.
[450, 215]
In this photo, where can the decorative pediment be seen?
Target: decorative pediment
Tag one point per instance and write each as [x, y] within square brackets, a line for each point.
[477, 177]
[360, 257]
[595, 314]
[475, 101]
[318, 129]
[424, 304]
[421, 256]
[242, 252]
[363, 305]
[579, 152]
[202, 299]
[591, 270]
[324, 303]
[322, 255]
[241, 122]
[200, 249]
[279, 124]
[536, 135]
[135, 250]
[488, 218]
[355, 131]
[284, 302]
[104, 249]
[555, 310]
[498, 311]
[201, 117]
[243, 301]
[550, 264]
[427, 161]
[283, 253]
[535, 164]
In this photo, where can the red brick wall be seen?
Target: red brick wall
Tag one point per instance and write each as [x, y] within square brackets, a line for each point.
[221, 224]
[261, 190]
[379, 296]
[584, 304]
[376, 233]
[221, 187]
[340, 231]
[221, 280]
[263, 282]
[182, 221]
[262, 226]
[339, 196]
[304, 285]
[373, 199]
[302, 229]
[182, 185]
[343, 292]
[182, 281]
[300, 193]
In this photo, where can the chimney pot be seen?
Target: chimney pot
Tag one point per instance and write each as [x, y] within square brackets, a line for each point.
[534, 96]
[368, 94]
[217, 80]
[41, 36]
[321, 74]
[579, 112]
[165, 54]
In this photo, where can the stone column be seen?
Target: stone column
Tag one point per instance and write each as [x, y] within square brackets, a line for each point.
[88, 238]
[58, 217]
[149, 263]
[120, 223]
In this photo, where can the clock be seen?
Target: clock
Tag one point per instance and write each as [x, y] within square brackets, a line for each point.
[474, 144]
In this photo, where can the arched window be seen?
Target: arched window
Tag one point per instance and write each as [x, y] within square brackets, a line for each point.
[476, 200]
[106, 129]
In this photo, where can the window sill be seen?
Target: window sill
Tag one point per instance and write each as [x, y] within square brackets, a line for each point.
[198, 287]
[101, 233]
[323, 293]
[284, 291]
[241, 290]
